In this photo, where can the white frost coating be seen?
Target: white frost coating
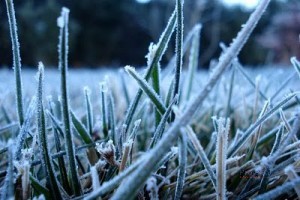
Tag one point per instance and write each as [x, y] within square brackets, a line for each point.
[264, 109]
[264, 161]
[258, 79]
[103, 86]
[292, 175]
[23, 167]
[137, 122]
[151, 183]
[151, 187]
[65, 10]
[174, 150]
[288, 169]
[59, 99]
[128, 67]
[128, 143]
[60, 22]
[222, 140]
[107, 151]
[40, 71]
[148, 90]
[95, 178]
[151, 53]
[41, 197]
[296, 65]
[100, 164]
[87, 90]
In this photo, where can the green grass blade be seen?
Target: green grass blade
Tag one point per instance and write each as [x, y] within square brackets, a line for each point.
[55, 123]
[111, 117]
[81, 129]
[103, 91]
[41, 125]
[193, 60]
[16, 58]
[89, 113]
[147, 89]
[188, 39]
[182, 157]
[179, 41]
[156, 87]
[63, 21]
[161, 127]
[160, 49]
[38, 187]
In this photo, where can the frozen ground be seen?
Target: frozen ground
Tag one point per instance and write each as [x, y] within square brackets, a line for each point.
[271, 79]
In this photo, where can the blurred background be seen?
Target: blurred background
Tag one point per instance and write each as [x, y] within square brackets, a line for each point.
[118, 32]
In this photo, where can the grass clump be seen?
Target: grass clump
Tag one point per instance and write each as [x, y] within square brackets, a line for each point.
[170, 138]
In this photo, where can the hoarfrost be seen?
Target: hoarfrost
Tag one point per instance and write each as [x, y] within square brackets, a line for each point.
[60, 22]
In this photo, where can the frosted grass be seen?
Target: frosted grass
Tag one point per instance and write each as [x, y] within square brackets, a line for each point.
[135, 136]
[63, 66]
[16, 58]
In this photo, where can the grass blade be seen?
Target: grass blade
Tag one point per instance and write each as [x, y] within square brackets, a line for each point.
[273, 194]
[182, 157]
[7, 190]
[161, 127]
[292, 175]
[38, 187]
[170, 66]
[103, 90]
[16, 58]
[222, 140]
[147, 89]
[197, 145]
[296, 65]
[63, 21]
[193, 60]
[41, 125]
[156, 88]
[179, 40]
[24, 129]
[244, 73]
[87, 93]
[160, 49]
[81, 129]
[111, 117]
[124, 87]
